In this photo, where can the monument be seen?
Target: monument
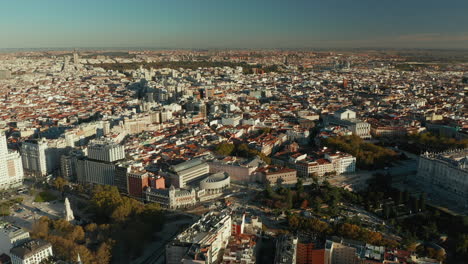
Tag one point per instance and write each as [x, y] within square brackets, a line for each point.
[68, 211]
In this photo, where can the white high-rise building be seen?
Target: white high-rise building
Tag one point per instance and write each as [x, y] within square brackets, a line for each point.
[11, 168]
[106, 150]
[33, 154]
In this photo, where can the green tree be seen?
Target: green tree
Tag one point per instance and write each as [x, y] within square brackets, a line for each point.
[59, 183]
[299, 186]
[461, 244]
[225, 149]
[289, 199]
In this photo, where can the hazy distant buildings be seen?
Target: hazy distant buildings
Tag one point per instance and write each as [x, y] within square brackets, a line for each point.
[4, 74]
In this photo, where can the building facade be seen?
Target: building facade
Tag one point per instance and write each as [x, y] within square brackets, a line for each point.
[11, 236]
[31, 252]
[105, 150]
[11, 167]
[171, 198]
[216, 183]
[203, 241]
[188, 171]
[347, 118]
[445, 174]
[285, 176]
[33, 154]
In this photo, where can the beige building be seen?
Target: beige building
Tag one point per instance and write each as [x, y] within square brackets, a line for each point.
[345, 251]
[284, 175]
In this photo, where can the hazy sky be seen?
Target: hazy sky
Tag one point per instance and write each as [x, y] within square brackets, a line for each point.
[234, 23]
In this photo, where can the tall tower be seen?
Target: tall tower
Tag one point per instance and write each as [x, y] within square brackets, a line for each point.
[3, 158]
[76, 57]
[11, 167]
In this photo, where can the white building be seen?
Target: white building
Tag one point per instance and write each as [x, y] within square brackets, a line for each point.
[342, 162]
[31, 252]
[203, 241]
[216, 183]
[171, 198]
[11, 167]
[233, 120]
[445, 174]
[347, 118]
[105, 150]
[11, 236]
[299, 135]
[188, 171]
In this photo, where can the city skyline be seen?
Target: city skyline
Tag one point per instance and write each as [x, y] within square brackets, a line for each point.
[240, 24]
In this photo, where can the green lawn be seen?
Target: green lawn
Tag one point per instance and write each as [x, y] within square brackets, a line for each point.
[45, 196]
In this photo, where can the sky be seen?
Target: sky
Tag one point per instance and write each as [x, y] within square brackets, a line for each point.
[234, 24]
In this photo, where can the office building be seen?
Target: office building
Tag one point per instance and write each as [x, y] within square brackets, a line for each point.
[188, 171]
[105, 150]
[137, 182]
[201, 242]
[95, 172]
[33, 154]
[100, 165]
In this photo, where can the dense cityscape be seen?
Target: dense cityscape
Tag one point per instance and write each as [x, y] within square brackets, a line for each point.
[233, 156]
[233, 132]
